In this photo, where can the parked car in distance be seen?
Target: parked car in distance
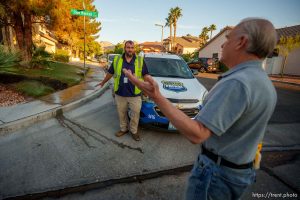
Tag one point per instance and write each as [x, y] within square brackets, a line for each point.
[203, 64]
[102, 59]
[110, 59]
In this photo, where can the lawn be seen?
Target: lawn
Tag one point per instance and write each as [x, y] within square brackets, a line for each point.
[69, 74]
[34, 85]
[33, 88]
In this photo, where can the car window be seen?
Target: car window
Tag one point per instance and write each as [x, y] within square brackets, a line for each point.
[111, 57]
[166, 67]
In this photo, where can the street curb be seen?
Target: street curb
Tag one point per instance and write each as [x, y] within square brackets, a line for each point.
[29, 120]
[84, 186]
[283, 82]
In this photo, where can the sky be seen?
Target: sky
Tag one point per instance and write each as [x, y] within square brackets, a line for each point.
[135, 19]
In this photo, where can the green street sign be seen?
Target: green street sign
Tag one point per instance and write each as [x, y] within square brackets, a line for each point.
[87, 13]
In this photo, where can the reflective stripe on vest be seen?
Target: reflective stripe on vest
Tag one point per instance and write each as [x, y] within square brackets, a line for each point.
[138, 67]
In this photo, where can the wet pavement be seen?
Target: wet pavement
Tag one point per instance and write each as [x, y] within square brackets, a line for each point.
[77, 151]
[79, 148]
[94, 75]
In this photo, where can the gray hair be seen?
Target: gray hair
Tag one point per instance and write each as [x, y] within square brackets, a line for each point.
[261, 35]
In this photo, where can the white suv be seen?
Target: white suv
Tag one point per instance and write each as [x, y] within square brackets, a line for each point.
[177, 83]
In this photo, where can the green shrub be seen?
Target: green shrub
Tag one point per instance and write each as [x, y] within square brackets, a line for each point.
[40, 57]
[61, 58]
[8, 59]
[33, 88]
[187, 57]
[61, 55]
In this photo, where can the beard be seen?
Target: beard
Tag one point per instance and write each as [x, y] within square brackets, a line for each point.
[129, 54]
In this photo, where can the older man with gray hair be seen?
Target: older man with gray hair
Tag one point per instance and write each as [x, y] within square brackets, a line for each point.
[234, 116]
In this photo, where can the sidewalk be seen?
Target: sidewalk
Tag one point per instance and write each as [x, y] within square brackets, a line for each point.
[24, 114]
[292, 80]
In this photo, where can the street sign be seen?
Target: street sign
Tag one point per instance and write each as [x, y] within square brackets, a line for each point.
[87, 13]
[84, 13]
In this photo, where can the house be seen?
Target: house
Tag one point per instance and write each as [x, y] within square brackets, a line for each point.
[152, 47]
[274, 65]
[183, 45]
[41, 36]
[212, 49]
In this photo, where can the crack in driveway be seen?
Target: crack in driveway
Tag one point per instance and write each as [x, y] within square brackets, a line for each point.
[64, 122]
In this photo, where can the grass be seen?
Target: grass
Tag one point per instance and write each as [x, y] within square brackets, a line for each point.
[33, 84]
[69, 74]
[33, 88]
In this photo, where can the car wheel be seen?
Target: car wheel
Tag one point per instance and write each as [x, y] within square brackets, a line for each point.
[202, 69]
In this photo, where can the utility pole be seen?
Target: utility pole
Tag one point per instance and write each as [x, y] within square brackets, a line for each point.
[84, 12]
[162, 32]
[83, 36]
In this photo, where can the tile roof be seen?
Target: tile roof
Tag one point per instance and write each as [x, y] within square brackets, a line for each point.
[187, 43]
[152, 46]
[288, 31]
[216, 36]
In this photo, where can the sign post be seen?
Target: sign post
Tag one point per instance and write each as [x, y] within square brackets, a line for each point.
[84, 13]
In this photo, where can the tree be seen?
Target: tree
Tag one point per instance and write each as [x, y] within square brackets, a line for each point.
[212, 28]
[55, 14]
[69, 28]
[285, 46]
[21, 15]
[93, 48]
[169, 23]
[119, 48]
[137, 48]
[175, 14]
[204, 36]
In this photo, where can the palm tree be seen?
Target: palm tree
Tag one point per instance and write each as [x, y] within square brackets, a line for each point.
[175, 13]
[212, 28]
[204, 35]
[205, 30]
[169, 23]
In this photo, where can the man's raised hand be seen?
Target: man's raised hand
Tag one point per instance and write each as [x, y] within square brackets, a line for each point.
[148, 86]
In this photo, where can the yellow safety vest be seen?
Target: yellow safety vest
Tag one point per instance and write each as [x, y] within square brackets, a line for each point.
[138, 66]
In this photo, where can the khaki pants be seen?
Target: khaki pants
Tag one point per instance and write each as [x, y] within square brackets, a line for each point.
[134, 104]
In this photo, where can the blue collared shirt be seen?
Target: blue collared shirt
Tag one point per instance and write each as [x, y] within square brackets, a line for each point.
[237, 110]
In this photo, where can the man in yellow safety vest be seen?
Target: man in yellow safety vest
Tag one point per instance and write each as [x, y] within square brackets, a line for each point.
[127, 95]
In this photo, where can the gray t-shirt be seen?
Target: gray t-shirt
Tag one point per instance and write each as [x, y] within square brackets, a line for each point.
[237, 110]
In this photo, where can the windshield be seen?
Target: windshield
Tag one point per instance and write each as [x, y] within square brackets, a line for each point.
[166, 67]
